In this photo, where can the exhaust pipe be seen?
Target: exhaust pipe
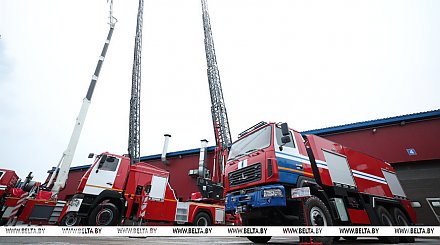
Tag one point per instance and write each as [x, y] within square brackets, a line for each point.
[202, 160]
[165, 149]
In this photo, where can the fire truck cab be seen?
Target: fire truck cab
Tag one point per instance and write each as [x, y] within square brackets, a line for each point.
[275, 176]
[113, 192]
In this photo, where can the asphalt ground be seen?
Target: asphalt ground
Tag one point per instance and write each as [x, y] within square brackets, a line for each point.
[178, 240]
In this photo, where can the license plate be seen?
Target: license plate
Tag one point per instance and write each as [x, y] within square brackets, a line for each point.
[240, 209]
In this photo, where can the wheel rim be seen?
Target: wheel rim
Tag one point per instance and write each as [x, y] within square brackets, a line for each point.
[386, 220]
[317, 217]
[402, 221]
[202, 221]
[71, 220]
[104, 217]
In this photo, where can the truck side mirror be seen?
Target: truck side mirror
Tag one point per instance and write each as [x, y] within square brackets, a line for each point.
[101, 162]
[285, 129]
[91, 155]
[285, 139]
[103, 159]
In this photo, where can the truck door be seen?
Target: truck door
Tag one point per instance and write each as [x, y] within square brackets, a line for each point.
[288, 157]
[102, 176]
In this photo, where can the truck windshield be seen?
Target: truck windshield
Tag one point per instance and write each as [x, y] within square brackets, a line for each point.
[253, 142]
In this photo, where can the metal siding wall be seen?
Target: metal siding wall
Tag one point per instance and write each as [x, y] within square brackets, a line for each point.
[420, 180]
[180, 181]
[72, 183]
[390, 143]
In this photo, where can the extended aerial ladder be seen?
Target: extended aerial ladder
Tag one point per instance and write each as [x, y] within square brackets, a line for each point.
[135, 117]
[212, 188]
[67, 157]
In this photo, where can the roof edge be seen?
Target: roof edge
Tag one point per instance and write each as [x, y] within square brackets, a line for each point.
[375, 123]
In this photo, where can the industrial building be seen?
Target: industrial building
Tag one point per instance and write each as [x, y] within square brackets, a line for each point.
[409, 143]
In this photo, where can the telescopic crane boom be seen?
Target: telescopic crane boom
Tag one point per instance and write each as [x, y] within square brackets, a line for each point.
[68, 154]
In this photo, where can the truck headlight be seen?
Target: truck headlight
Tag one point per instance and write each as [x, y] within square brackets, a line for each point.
[272, 193]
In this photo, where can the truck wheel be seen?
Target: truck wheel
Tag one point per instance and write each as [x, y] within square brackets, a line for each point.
[350, 238]
[104, 214]
[317, 214]
[3, 222]
[256, 239]
[70, 219]
[202, 219]
[402, 220]
[259, 239]
[386, 219]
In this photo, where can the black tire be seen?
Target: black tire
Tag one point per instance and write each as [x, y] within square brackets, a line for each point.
[402, 220]
[70, 219]
[317, 214]
[350, 238]
[105, 214]
[386, 219]
[202, 219]
[3, 222]
[259, 239]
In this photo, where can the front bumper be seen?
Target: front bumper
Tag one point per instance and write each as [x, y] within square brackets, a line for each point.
[80, 204]
[74, 204]
[244, 200]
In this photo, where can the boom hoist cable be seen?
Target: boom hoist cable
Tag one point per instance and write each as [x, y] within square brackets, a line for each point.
[67, 157]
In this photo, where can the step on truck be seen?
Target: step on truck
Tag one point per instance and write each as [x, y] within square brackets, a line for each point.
[115, 192]
[276, 176]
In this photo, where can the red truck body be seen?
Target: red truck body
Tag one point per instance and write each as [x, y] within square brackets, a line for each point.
[112, 192]
[23, 201]
[276, 176]
[8, 180]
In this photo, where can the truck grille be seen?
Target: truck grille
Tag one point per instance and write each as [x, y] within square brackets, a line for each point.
[245, 175]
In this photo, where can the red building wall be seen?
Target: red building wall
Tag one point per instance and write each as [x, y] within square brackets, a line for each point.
[179, 167]
[72, 183]
[390, 142]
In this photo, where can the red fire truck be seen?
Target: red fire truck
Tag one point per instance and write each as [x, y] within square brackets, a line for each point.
[14, 194]
[8, 180]
[276, 176]
[113, 191]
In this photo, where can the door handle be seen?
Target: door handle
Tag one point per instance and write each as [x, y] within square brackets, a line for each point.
[108, 183]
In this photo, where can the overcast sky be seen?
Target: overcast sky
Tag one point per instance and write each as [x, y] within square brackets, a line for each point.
[312, 64]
